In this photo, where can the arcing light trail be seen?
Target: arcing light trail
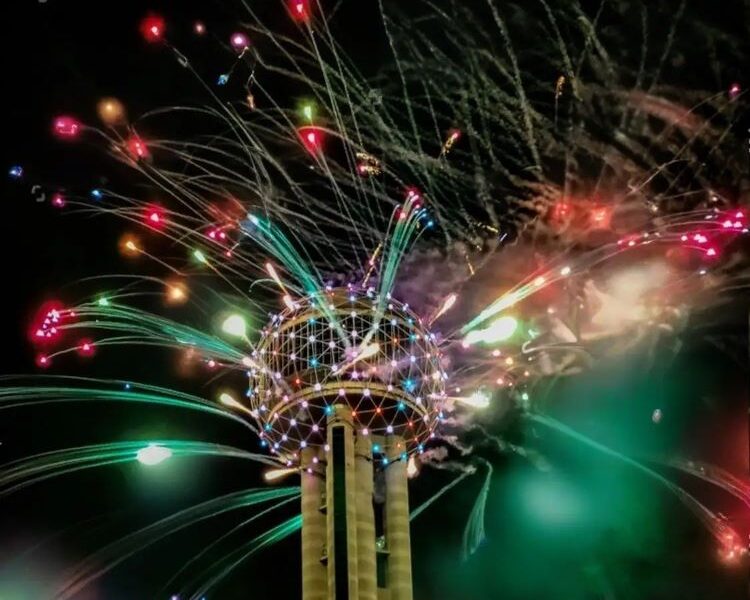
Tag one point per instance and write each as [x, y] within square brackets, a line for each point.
[439, 181]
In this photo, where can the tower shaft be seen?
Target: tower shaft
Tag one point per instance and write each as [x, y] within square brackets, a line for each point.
[339, 557]
[366, 561]
[314, 574]
[341, 507]
[397, 522]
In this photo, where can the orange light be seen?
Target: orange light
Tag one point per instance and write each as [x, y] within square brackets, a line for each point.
[129, 245]
[111, 111]
[176, 292]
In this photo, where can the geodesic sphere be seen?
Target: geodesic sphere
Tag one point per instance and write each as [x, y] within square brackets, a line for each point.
[338, 348]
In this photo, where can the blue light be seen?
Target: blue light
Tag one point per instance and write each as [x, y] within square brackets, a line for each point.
[403, 456]
[263, 443]
[401, 405]
[267, 427]
[127, 386]
[409, 385]
[16, 171]
[96, 194]
[376, 447]
[223, 78]
[329, 409]
[385, 461]
[313, 362]
[420, 448]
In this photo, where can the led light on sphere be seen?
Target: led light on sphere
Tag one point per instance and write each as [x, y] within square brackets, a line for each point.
[153, 454]
[501, 329]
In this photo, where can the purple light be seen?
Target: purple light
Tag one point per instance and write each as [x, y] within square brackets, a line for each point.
[239, 41]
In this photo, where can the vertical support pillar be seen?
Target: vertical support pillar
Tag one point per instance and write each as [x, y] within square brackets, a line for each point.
[397, 521]
[341, 485]
[314, 576]
[366, 564]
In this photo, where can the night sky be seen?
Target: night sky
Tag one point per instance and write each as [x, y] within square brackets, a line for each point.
[552, 537]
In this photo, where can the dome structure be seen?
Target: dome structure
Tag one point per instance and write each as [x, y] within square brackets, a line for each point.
[339, 347]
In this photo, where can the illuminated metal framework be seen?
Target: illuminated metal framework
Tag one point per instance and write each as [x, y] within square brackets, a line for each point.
[339, 348]
[347, 387]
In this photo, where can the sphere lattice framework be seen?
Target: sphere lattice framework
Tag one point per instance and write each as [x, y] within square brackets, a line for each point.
[332, 349]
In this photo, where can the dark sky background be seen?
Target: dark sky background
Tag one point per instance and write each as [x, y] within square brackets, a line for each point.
[593, 529]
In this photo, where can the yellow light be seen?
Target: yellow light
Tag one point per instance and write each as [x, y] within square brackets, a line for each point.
[411, 468]
[477, 400]
[276, 474]
[234, 325]
[274, 275]
[129, 245]
[176, 292]
[229, 401]
[368, 351]
[499, 330]
[447, 305]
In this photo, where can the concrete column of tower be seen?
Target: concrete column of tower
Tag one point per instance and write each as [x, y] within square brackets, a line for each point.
[314, 574]
[397, 521]
[366, 564]
[341, 506]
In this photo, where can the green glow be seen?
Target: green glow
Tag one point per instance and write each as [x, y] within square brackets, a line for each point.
[153, 454]
[234, 325]
[200, 257]
[307, 110]
[103, 301]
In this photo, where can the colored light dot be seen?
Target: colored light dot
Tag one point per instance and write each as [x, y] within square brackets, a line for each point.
[152, 28]
[239, 41]
[66, 127]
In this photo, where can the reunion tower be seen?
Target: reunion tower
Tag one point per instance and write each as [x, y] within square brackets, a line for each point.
[346, 387]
